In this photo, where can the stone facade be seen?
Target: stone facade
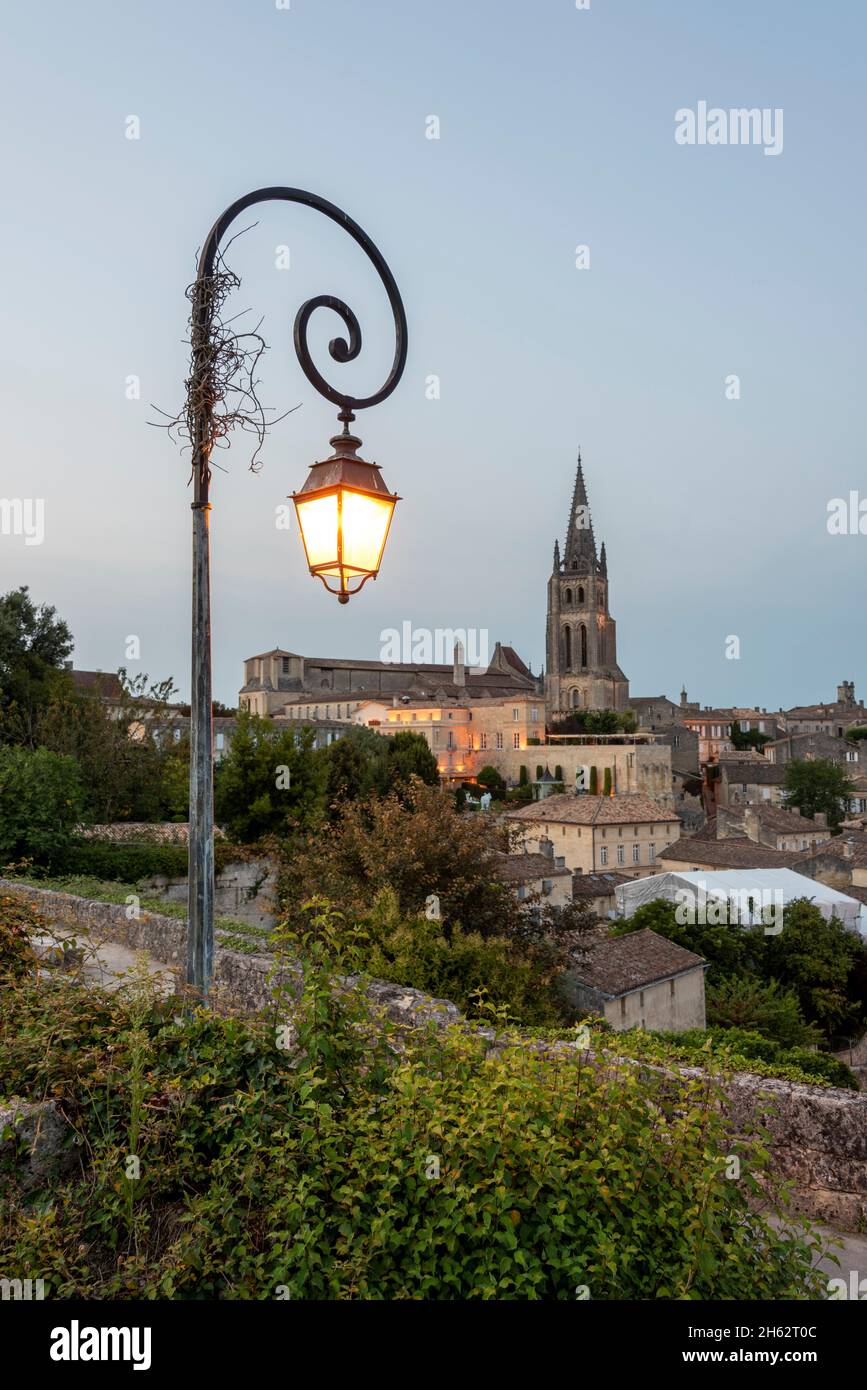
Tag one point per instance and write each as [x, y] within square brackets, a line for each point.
[581, 638]
[593, 833]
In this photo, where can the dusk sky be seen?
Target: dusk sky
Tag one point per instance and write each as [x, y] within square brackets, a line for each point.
[557, 130]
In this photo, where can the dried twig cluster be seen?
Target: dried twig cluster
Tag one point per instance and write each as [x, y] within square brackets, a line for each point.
[222, 388]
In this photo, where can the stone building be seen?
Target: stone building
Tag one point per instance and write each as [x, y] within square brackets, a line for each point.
[281, 682]
[640, 980]
[581, 639]
[833, 718]
[594, 833]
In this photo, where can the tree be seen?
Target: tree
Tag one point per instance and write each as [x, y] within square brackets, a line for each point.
[357, 766]
[818, 786]
[126, 775]
[271, 782]
[409, 756]
[41, 800]
[490, 780]
[602, 721]
[34, 643]
[743, 739]
[814, 955]
[416, 842]
[606, 782]
[726, 947]
[761, 1006]
[594, 781]
[858, 733]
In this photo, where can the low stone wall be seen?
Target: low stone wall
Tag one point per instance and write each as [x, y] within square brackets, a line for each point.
[817, 1134]
[245, 889]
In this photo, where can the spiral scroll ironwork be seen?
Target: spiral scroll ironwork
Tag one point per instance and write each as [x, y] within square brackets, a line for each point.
[340, 349]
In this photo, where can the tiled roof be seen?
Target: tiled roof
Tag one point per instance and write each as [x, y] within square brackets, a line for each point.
[631, 807]
[761, 772]
[97, 683]
[521, 868]
[784, 821]
[836, 848]
[623, 964]
[596, 885]
[732, 853]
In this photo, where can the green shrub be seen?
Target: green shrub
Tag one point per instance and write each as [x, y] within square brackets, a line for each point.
[464, 967]
[330, 1167]
[41, 798]
[128, 863]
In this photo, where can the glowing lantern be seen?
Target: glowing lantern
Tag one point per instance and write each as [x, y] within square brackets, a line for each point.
[344, 511]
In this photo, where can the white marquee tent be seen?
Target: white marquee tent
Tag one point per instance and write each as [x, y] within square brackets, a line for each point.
[750, 890]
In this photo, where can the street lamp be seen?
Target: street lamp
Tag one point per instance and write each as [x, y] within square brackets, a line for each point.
[344, 512]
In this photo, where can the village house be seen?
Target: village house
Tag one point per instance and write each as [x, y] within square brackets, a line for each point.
[640, 980]
[595, 892]
[694, 852]
[773, 826]
[536, 875]
[745, 780]
[594, 833]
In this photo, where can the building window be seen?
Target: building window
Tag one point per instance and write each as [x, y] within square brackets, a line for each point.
[621, 857]
[651, 851]
[450, 742]
[285, 666]
[499, 740]
[534, 712]
[567, 597]
[603, 855]
[636, 851]
[583, 645]
[567, 647]
[516, 714]
[470, 742]
[580, 595]
[851, 757]
[483, 741]
[516, 740]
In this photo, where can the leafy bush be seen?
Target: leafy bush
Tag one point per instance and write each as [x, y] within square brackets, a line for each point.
[41, 799]
[735, 1049]
[330, 1166]
[464, 967]
[760, 1006]
[490, 779]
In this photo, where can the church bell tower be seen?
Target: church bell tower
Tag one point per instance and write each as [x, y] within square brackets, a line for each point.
[581, 641]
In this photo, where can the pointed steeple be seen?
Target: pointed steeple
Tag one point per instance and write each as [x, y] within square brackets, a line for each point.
[556, 557]
[603, 562]
[580, 554]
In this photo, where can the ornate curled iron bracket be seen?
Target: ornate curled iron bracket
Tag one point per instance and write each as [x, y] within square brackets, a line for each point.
[341, 349]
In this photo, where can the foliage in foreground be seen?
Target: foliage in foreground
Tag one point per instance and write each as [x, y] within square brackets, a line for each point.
[316, 1161]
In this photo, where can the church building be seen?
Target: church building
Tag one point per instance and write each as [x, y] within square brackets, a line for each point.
[581, 639]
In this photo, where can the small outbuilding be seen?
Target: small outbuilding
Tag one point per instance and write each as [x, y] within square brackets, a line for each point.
[640, 980]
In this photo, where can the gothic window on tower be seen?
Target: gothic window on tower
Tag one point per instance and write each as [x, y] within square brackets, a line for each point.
[583, 645]
[567, 641]
[567, 597]
[580, 595]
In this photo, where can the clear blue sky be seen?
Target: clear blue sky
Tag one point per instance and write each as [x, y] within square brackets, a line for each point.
[557, 128]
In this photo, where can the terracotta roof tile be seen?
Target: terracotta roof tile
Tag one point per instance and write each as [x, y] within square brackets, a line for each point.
[623, 964]
[594, 810]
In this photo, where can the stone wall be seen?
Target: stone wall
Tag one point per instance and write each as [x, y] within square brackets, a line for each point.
[818, 1135]
[245, 889]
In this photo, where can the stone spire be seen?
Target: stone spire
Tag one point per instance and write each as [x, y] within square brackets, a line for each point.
[580, 554]
[603, 563]
[556, 557]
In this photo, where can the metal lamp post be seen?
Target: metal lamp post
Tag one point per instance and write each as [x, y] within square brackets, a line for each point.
[344, 511]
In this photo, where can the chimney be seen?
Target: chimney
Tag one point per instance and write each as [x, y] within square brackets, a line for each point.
[546, 847]
[459, 675]
[848, 848]
[394, 701]
[821, 819]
